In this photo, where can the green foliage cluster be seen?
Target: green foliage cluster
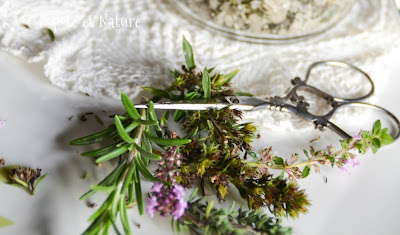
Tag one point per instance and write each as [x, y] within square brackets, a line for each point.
[295, 169]
[202, 216]
[132, 135]
[220, 142]
[214, 148]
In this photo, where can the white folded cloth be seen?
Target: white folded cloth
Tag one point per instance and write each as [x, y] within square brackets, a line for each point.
[104, 60]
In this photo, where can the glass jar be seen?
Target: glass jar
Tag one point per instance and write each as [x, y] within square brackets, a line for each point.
[270, 21]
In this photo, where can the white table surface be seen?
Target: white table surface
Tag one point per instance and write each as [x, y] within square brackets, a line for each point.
[36, 132]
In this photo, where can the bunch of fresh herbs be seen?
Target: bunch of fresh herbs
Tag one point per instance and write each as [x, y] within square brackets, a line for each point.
[212, 151]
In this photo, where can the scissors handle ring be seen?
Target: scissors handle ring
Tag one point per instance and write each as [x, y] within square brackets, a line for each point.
[343, 65]
[396, 121]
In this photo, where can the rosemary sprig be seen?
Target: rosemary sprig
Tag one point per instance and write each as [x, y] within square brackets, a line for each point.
[131, 134]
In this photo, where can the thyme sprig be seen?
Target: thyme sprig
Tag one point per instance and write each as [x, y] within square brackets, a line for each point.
[219, 141]
[203, 217]
[374, 139]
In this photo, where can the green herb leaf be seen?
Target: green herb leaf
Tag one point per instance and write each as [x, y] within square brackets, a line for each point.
[178, 115]
[193, 194]
[223, 80]
[130, 192]
[157, 92]
[115, 228]
[148, 122]
[210, 126]
[5, 173]
[40, 179]
[129, 107]
[100, 210]
[143, 169]
[132, 126]
[163, 122]
[4, 222]
[188, 52]
[113, 154]
[153, 117]
[376, 142]
[386, 139]
[21, 182]
[253, 155]
[206, 83]
[168, 142]
[306, 172]
[124, 216]
[282, 175]
[173, 73]
[109, 180]
[192, 95]
[377, 128]
[51, 34]
[139, 198]
[99, 188]
[243, 94]
[121, 130]
[306, 153]
[102, 151]
[96, 137]
[278, 161]
[146, 154]
[208, 209]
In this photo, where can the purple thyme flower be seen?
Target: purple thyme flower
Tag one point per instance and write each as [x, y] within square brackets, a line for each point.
[180, 209]
[178, 190]
[165, 199]
[167, 168]
[357, 137]
[329, 148]
[343, 170]
[151, 205]
[156, 187]
[350, 162]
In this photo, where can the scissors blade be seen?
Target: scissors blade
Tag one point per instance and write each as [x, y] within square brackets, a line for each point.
[197, 105]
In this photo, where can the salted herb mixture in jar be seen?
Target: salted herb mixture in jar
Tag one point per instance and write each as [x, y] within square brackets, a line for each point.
[275, 17]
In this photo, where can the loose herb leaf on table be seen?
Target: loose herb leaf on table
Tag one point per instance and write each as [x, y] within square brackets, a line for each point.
[23, 177]
[4, 222]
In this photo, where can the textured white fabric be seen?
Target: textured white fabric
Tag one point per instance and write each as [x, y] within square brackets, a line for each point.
[104, 61]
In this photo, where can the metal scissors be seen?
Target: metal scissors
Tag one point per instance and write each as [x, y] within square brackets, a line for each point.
[290, 102]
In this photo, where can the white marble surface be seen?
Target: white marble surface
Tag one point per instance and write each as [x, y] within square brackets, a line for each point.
[36, 131]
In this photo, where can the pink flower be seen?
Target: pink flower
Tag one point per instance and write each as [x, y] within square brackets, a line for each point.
[164, 199]
[180, 209]
[357, 137]
[178, 190]
[343, 170]
[354, 162]
[156, 187]
[350, 162]
[329, 148]
[151, 205]
[1, 123]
